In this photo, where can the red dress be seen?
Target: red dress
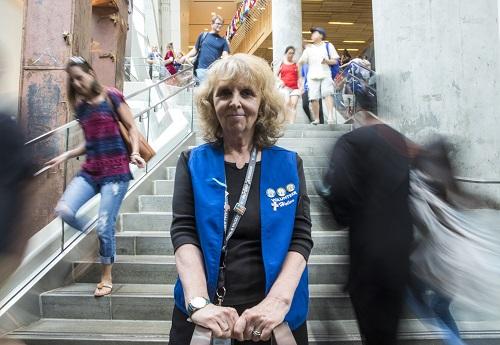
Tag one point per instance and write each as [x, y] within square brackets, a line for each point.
[170, 66]
[289, 75]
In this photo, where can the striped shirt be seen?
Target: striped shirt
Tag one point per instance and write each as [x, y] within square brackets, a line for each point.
[107, 156]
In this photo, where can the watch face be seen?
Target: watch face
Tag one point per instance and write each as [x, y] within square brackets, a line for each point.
[198, 302]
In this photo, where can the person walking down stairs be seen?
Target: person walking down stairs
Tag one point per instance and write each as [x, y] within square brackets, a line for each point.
[106, 170]
[290, 78]
[320, 56]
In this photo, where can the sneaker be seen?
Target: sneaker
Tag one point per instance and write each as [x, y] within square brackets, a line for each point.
[315, 122]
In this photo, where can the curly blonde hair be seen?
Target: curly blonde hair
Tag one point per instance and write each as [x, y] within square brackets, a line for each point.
[256, 73]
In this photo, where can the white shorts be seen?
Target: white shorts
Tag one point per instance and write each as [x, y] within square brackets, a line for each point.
[288, 92]
[320, 88]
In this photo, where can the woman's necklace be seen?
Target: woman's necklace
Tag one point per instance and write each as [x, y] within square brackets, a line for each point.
[240, 159]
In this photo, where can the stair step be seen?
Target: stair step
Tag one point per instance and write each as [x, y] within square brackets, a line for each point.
[293, 143]
[312, 133]
[166, 187]
[159, 243]
[310, 173]
[141, 332]
[313, 151]
[163, 203]
[160, 221]
[155, 302]
[317, 128]
[160, 269]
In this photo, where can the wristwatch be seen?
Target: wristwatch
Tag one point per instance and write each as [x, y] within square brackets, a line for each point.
[196, 304]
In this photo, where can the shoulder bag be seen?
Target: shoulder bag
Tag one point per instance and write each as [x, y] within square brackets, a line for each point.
[145, 150]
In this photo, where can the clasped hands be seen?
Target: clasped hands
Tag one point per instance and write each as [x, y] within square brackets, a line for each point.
[254, 324]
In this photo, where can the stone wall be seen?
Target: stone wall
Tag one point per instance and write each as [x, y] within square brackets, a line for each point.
[438, 68]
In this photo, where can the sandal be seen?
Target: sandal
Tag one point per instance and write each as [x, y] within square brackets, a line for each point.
[103, 289]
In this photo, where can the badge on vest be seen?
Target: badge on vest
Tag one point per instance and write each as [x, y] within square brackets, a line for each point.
[283, 199]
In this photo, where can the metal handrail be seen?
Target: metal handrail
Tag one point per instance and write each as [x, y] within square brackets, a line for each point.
[363, 81]
[476, 180]
[74, 122]
[165, 99]
[357, 64]
[188, 68]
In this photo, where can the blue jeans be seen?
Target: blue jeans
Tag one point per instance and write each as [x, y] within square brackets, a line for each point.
[77, 194]
[200, 74]
[427, 303]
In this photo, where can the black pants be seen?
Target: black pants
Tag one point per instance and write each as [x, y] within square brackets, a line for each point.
[378, 310]
[182, 330]
[305, 106]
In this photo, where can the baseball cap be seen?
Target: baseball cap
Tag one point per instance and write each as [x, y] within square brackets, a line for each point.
[320, 30]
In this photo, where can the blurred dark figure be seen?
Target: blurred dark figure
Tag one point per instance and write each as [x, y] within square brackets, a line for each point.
[15, 170]
[425, 300]
[455, 257]
[367, 186]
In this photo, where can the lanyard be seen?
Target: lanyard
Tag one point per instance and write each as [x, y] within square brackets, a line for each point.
[239, 210]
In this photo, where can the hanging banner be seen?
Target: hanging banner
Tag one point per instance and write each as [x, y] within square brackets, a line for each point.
[239, 17]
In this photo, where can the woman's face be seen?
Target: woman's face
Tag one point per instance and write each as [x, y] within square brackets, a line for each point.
[81, 81]
[236, 106]
[289, 54]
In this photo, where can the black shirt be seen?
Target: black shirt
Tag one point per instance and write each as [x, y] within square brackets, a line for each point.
[245, 276]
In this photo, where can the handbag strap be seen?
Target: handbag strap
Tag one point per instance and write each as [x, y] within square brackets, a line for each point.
[112, 104]
[282, 334]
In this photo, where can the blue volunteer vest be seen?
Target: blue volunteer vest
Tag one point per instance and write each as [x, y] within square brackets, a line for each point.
[278, 170]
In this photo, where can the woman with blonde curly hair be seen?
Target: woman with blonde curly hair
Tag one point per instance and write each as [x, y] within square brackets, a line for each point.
[241, 225]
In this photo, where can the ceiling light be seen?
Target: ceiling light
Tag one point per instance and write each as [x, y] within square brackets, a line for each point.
[205, 29]
[219, 8]
[254, 19]
[340, 23]
[270, 48]
[213, 13]
[354, 41]
[306, 32]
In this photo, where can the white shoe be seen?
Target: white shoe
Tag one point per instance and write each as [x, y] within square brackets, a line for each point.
[315, 122]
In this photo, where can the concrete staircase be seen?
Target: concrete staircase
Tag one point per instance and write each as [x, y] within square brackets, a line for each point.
[139, 309]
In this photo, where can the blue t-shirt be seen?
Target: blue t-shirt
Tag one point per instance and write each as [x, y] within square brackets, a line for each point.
[212, 48]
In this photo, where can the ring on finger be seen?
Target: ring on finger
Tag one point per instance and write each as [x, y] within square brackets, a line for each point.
[256, 333]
